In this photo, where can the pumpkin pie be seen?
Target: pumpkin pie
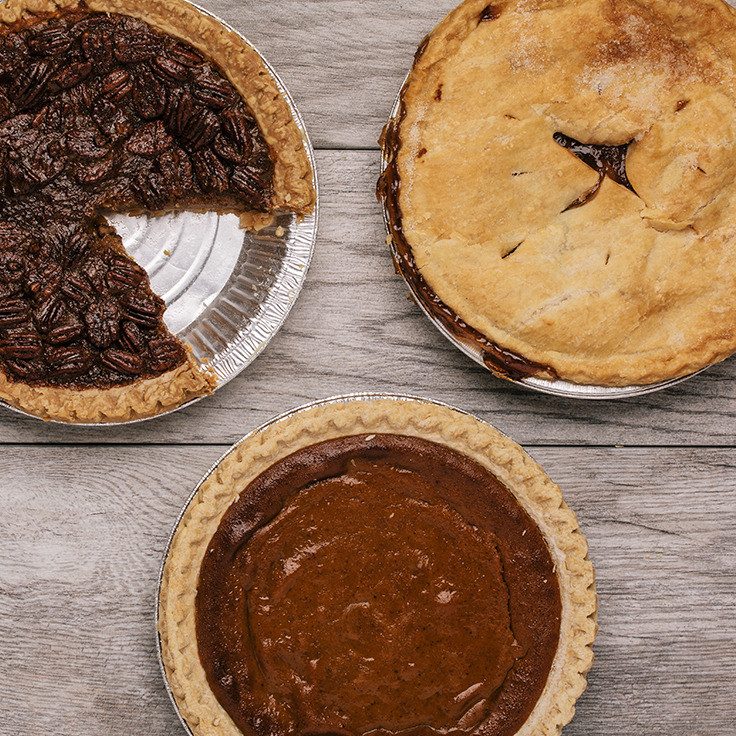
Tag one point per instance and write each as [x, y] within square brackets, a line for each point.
[377, 565]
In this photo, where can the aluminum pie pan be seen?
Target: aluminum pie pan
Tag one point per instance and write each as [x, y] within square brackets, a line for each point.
[558, 387]
[227, 290]
[342, 399]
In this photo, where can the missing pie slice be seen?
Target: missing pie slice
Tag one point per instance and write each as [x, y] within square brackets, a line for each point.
[562, 185]
[130, 106]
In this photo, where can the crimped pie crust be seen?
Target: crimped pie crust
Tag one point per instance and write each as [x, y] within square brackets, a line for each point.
[293, 191]
[144, 398]
[533, 489]
[625, 289]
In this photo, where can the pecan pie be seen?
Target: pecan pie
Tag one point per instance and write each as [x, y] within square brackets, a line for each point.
[561, 185]
[129, 106]
[377, 566]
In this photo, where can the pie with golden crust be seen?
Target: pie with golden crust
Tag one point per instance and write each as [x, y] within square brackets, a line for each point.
[128, 106]
[562, 185]
[377, 565]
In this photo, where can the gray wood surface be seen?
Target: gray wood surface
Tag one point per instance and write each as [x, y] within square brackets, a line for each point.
[86, 513]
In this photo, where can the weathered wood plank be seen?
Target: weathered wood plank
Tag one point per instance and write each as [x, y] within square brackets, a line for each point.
[83, 530]
[343, 61]
[353, 328]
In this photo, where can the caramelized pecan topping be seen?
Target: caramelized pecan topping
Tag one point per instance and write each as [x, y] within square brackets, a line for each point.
[101, 111]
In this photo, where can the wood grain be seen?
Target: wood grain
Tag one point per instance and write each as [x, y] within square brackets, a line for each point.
[342, 60]
[353, 328]
[84, 529]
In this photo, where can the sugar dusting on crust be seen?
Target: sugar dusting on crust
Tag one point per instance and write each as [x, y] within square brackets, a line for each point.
[635, 313]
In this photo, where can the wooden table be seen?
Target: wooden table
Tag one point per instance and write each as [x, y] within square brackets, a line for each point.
[86, 513]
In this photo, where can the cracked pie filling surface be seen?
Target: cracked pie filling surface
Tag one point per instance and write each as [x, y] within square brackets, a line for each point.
[377, 566]
[562, 185]
[129, 106]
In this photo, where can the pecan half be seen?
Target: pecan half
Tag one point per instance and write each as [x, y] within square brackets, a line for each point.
[213, 90]
[184, 54]
[76, 247]
[73, 74]
[68, 361]
[152, 190]
[50, 313]
[166, 352]
[250, 184]
[169, 69]
[50, 41]
[240, 129]
[21, 345]
[13, 311]
[196, 125]
[77, 289]
[116, 85]
[123, 275]
[103, 323]
[210, 171]
[144, 310]
[30, 370]
[132, 337]
[65, 333]
[30, 83]
[229, 150]
[122, 361]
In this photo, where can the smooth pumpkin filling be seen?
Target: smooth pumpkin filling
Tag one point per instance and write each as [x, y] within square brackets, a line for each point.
[377, 583]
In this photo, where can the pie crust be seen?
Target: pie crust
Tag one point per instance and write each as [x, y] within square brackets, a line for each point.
[292, 191]
[144, 398]
[532, 488]
[632, 287]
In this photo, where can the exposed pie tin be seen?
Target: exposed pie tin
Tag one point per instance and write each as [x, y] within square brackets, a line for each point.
[474, 351]
[227, 290]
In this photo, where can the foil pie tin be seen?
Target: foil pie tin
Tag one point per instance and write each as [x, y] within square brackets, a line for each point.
[558, 387]
[344, 399]
[227, 290]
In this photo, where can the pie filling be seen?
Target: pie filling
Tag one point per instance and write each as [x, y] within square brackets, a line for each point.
[102, 112]
[377, 583]
[606, 160]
